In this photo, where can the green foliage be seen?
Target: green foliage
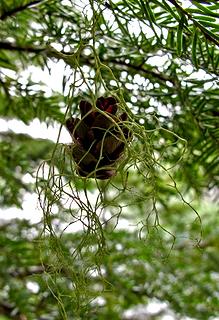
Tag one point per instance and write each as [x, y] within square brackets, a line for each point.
[20, 154]
[103, 247]
[132, 270]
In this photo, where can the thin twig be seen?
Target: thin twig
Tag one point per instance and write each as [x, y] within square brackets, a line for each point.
[15, 10]
[13, 47]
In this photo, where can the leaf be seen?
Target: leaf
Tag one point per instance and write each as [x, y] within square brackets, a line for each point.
[204, 9]
[6, 61]
[194, 47]
[204, 18]
[210, 25]
[180, 37]
[212, 14]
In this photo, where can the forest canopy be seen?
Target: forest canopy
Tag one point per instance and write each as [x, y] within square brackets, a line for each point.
[129, 207]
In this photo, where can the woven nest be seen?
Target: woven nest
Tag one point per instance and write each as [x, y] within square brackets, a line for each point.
[99, 138]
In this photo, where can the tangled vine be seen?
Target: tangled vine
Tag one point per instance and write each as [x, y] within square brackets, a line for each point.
[90, 184]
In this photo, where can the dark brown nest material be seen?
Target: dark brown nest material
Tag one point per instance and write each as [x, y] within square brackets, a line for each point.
[99, 138]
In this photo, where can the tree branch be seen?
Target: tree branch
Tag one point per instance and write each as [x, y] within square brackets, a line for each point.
[68, 58]
[13, 47]
[196, 23]
[13, 11]
[154, 74]
[22, 273]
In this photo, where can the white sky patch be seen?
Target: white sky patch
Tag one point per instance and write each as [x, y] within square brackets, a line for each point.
[168, 317]
[37, 130]
[158, 61]
[27, 178]
[187, 68]
[66, 3]
[156, 306]
[200, 75]
[10, 73]
[152, 308]
[57, 46]
[134, 27]
[30, 210]
[52, 79]
[100, 301]
[33, 286]
[187, 4]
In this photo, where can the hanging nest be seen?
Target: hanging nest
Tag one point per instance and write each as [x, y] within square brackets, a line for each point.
[99, 138]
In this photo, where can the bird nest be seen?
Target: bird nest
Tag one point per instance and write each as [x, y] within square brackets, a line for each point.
[99, 138]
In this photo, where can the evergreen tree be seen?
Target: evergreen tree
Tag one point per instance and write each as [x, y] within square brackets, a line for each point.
[129, 207]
